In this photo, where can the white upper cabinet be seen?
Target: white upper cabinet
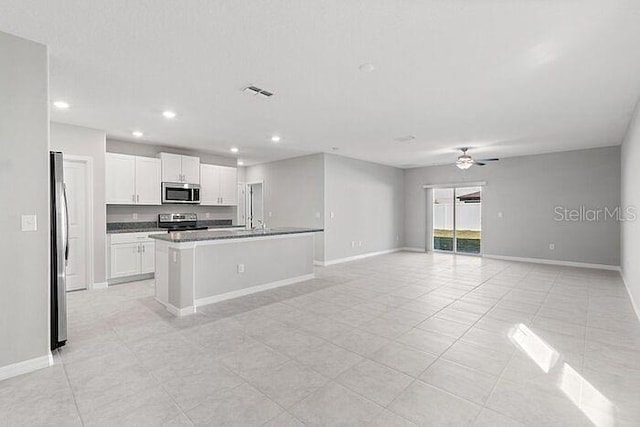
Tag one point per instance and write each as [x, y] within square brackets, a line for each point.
[132, 180]
[218, 185]
[171, 167]
[209, 185]
[178, 168]
[120, 171]
[228, 185]
[148, 191]
[191, 169]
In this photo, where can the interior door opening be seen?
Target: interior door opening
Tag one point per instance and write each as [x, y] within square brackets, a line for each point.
[255, 204]
[457, 220]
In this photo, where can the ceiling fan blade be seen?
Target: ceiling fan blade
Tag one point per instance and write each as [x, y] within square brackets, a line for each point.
[495, 159]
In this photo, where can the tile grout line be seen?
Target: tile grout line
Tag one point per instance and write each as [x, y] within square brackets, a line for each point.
[495, 385]
[73, 394]
[453, 343]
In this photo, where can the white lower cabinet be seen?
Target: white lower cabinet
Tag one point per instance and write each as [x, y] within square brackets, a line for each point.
[131, 254]
[125, 260]
[148, 257]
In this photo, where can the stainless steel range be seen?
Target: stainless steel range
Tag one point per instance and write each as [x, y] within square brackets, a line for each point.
[179, 222]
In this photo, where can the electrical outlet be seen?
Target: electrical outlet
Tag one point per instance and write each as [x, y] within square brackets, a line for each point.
[552, 246]
[353, 243]
[240, 268]
[332, 215]
[359, 242]
[317, 214]
[29, 223]
[208, 214]
[270, 214]
[134, 215]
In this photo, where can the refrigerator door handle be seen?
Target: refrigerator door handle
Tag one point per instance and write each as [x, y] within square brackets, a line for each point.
[66, 225]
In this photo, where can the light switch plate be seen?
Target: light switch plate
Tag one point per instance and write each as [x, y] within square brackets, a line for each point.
[240, 268]
[29, 223]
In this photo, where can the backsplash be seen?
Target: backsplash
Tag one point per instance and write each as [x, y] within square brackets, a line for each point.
[118, 213]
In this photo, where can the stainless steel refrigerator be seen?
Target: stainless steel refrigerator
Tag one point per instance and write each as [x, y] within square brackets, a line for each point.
[59, 251]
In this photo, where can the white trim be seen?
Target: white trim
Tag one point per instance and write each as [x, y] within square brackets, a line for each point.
[318, 263]
[554, 262]
[88, 161]
[26, 366]
[178, 311]
[457, 184]
[408, 249]
[101, 285]
[357, 257]
[636, 309]
[252, 290]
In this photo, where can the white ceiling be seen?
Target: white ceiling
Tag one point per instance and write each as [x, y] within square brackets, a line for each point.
[505, 77]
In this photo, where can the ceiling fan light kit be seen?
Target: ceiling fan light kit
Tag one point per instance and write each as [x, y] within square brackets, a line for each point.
[465, 161]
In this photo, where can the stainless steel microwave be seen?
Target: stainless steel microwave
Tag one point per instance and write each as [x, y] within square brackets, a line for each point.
[174, 192]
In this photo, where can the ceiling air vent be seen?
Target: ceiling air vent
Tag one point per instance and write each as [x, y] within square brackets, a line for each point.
[256, 91]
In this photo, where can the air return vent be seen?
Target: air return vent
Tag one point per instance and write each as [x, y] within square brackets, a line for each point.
[256, 91]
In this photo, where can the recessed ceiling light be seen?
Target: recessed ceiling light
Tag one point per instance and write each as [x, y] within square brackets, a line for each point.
[234, 149]
[275, 138]
[169, 114]
[240, 163]
[137, 134]
[61, 105]
[366, 68]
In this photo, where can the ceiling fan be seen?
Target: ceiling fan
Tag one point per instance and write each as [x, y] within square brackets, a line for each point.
[465, 161]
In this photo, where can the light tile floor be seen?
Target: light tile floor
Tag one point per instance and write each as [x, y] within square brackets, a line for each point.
[402, 339]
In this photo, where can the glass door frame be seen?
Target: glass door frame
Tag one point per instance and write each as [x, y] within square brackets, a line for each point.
[454, 187]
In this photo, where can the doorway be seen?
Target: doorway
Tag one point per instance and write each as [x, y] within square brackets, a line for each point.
[457, 221]
[255, 204]
[78, 185]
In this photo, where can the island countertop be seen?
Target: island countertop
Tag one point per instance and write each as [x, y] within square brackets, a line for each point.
[204, 235]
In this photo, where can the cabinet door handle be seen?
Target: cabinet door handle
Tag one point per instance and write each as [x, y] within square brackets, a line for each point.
[133, 198]
[142, 246]
[138, 198]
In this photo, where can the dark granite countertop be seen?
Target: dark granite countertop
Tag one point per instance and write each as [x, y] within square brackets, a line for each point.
[151, 226]
[198, 236]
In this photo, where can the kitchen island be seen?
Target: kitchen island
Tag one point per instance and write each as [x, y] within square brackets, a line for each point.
[196, 268]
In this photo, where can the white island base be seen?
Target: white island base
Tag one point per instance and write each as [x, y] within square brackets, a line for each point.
[190, 274]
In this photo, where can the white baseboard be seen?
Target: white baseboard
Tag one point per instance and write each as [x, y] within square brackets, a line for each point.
[178, 311]
[101, 285]
[407, 249]
[26, 366]
[252, 290]
[554, 262]
[636, 309]
[356, 257]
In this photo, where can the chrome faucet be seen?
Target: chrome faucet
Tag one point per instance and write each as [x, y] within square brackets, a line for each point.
[261, 225]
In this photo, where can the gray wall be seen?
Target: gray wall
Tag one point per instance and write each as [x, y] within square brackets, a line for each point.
[24, 189]
[293, 193]
[527, 190]
[367, 200]
[630, 231]
[81, 141]
[150, 213]
[152, 150]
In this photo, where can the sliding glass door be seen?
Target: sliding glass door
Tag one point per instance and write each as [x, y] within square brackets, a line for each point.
[457, 219]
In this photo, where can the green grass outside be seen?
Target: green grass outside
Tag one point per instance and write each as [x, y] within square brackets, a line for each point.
[461, 234]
